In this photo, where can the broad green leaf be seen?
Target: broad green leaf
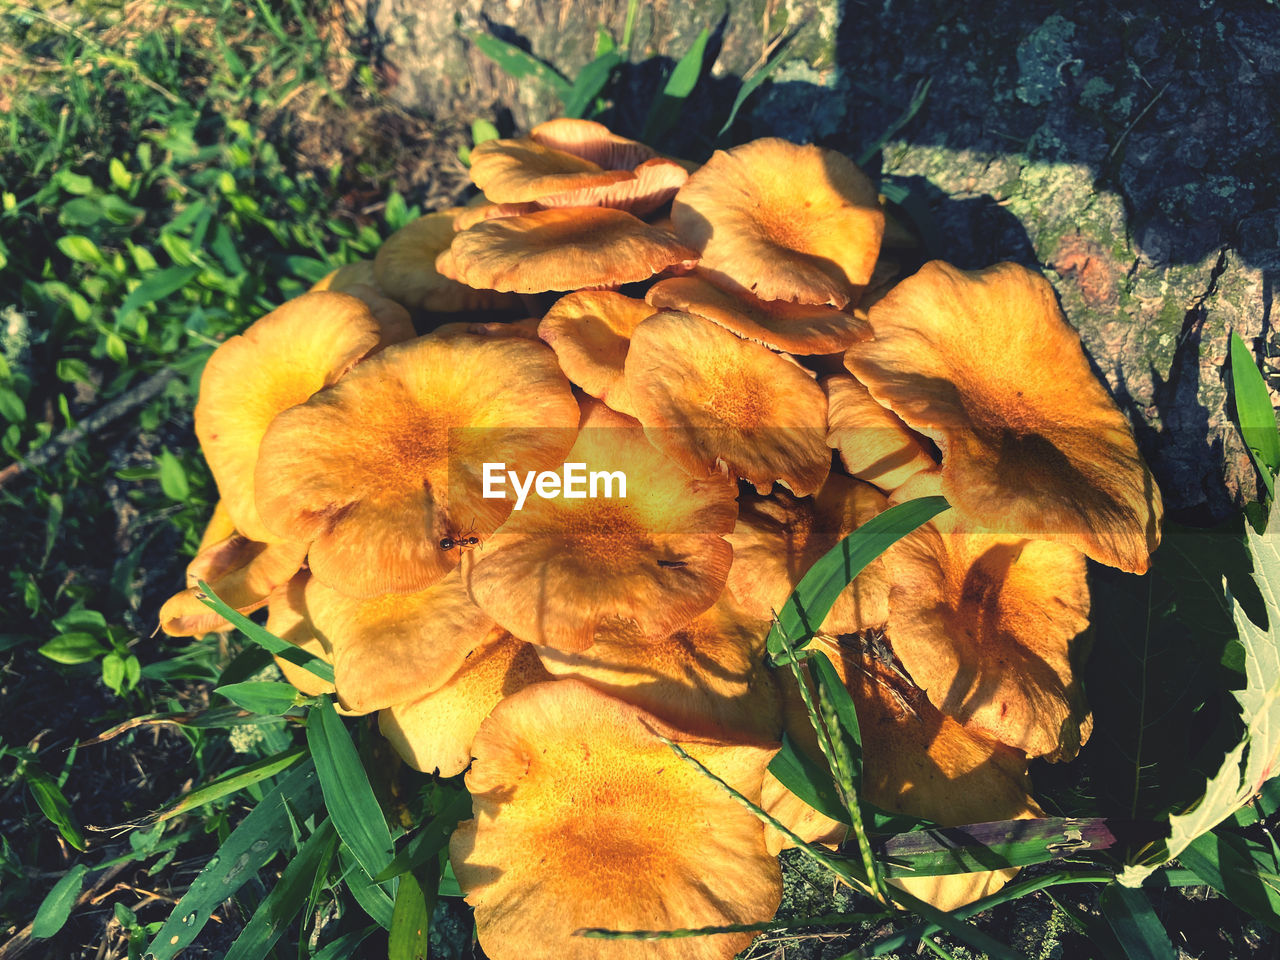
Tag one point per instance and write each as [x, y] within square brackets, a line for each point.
[53, 804]
[482, 131]
[258, 838]
[1253, 760]
[11, 406]
[808, 780]
[1135, 924]
[411, 919]
[1255, 414]
[287, 896]
[57, 905]
[684, 77]
[371, 897]
[156, 287]
[430, 839]
[259, 635]
[347, 793]
[72, 648]
[173, 477]
[588, 84]
[80, 249]
[520, 64]
[270, 698]
[1242, 870]
[233, 781]
[120, 176]
[818, 589]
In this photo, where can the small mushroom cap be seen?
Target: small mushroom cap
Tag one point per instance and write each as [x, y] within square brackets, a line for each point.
[394, 322]
[242, 572]
[706, 678]
[278, 362]
[568, 248]
[874, 444]
[526, 329]
[517, 171]
[590, 332]
[778, 538]
[786, 222]
[288, 619]
[593, 142]
[991, 627]
[583, 818]
[358, 272]
[433, 733]
[561, 567]
[707, 397]
[799, 328]
[405, 268]
[393, 648]
[985, 365]
[656, 182]
[379, 469]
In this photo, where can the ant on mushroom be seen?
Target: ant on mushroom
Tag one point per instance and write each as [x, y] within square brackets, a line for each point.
[465, 541]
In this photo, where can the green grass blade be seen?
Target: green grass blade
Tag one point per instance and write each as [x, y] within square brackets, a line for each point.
[841, 718]
[347, 793]
[156, 287]
[808, 780]
[260, 636]
[750, 85]
[939, 851]
[430, 839]
[258, 838]
[956, 926]
[684, 77]
[917, 101]
[1256, 416]
[826, 920]
[346, 947]
[55, 908]
[233, 781]
[271, 698]
[816, 593]
[1238, 869]
[588, 84]
[286, 898]
[53, 804]
[520, 64]
[411, 918]
[1135, 924]
[371, 897]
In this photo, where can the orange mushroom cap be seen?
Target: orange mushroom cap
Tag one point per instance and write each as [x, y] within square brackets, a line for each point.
[378, 470]
[799, 328]
[706, 397]
[398, 646]
[349, 274]
[874, 444]
[405, 268]
[567, 248]
[590, 332]
[583, 818]
[985, 365]
[991, 627]
[289, 619]
[593, 142]
[278, 362]
[517, 171]
[433, 732]
[786, 222]
[706, 678]
[778, 538]
[563, 566]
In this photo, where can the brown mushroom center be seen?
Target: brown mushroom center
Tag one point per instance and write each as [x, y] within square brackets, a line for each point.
[735, 398]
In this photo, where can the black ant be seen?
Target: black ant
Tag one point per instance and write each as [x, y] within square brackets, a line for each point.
[466, 540]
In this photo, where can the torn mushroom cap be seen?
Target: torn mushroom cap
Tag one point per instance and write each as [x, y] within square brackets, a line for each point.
[517, 171]
[278, 362]
[706, 678]
[778, 538]
[381, 468]
[584, 818]
[433, 732]
[561, 567]
[708, 398]
[242, 572]
[786, 222]
[992, 628]
[288, 618]
[916, 761]
[569, 248]
[590, 332]
[397, 646]
[405, 268]
[985, 365]
[874, 444]
[803, 329]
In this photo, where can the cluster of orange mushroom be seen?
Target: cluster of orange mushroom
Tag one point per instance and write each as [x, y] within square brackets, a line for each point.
[732, 340]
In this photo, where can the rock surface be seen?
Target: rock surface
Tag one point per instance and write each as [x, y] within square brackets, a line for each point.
[1130, 154]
